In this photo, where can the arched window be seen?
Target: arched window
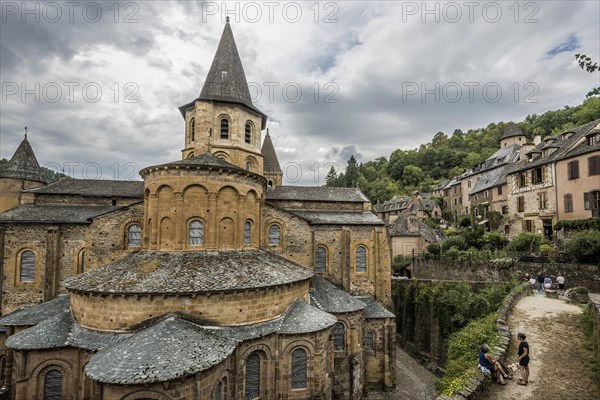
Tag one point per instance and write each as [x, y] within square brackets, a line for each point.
[82, 261]
[299, 368]
[196, 233]
[339, 336]
[193, 129]
[248, 133]
[321, 260]
[361, 259]
[274, 234]
[53, 385]
[252, 390]
[248, 166]
[134, 235]
[224, 128]
[369, 339]
[27, 273]
[248, 232]
[219, 391]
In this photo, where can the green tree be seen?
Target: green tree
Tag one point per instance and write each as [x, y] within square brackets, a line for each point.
[331, 178]
[352, 173]
[412, 175]
[586, 64]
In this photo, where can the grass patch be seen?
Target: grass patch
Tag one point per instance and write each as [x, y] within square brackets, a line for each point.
[463, 353]
[592, 343]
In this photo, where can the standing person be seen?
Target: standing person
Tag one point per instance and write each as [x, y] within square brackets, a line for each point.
[547, 283]
[561, 283]
[533, 282]
[540, 281]
[523, 359]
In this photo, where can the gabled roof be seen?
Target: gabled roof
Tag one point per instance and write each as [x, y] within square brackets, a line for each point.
[54, 214]
[270, 157]
[329, 298]
[23, 164]
[146, 272]
[402, 227]
[226, 80]
[315, 193]
[93, 188]
[491, 178]
[34, 315]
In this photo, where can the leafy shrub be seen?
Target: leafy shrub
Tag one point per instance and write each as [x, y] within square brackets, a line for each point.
[580, 290]
[400, 262]
[473, 236]
[454, 241]
[583, 246]
[548, 250]
[434, 248]
[464, 222]
[527, 241]
[495, 240]
[452, 232]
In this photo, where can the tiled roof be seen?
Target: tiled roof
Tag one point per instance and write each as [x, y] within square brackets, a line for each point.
[170, 349]
[270, 157]
[93, 188]
[189, 272]
[329, 298]
[54, 214]
[315, 193]
[34, 315]
[511, 129]
[23, 164]
[339, 217]
[374, 310]
[567, 144]
[51, 333]
[304, 318]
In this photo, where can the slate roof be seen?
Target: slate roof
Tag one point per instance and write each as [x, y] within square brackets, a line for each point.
[583, 147]
[374, 310]
[54, 214]
[23, 164]
[204, 160]
[315, 193]
[189, 272]
[93, 188]
[170, 349]
[226, 79]
[329, 298]
[304, 318]
[47, 334]
[339, 217]
[401, 228]
[491, 178]
[30, 316]
[510, 130]
[566, 149]
[271, 162]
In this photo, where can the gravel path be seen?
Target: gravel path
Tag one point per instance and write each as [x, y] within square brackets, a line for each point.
[413, 381]
[558, 357]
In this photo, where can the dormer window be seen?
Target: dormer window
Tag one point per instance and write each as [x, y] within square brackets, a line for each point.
[593, 139]
[223, 74]
[566, 135]
[224, 128]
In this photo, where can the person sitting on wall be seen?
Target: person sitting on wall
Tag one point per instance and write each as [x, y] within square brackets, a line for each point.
[486, 361]
[547, 283]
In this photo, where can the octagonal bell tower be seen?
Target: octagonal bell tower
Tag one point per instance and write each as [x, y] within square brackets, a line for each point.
[222, 120]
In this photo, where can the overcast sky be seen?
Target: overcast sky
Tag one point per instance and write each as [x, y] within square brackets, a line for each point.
[336, 78]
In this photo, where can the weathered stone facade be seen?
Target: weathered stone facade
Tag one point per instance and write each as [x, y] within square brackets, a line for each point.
[202, 283]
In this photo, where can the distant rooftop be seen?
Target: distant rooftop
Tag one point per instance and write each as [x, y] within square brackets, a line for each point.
[314, 193]
[54, 214]
[93, 188]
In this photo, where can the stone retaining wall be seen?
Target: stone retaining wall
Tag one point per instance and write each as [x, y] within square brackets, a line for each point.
[479, 382]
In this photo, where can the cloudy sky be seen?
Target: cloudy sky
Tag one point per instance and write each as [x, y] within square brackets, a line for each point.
[98, 83]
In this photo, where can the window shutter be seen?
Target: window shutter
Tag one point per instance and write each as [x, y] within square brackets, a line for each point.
[27, 266]
[586, 201]
[274, 234]
[53, 385]
[196, 233]
[361, 259]
[224, 129]
[321, 260]
[252, 377]
[134, 236]
[594, 165]
[339, 340]
[299, 367]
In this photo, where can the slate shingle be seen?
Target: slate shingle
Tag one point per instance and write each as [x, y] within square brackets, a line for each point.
[327, 297]
[314, 193]
[339, 217]
[54, 214]
[93, 188]
[34, 315]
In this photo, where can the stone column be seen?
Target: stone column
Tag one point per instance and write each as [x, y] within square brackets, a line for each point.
[212, 221]
[53, 253]
[240, 221]
[179, 224]
[153, 211]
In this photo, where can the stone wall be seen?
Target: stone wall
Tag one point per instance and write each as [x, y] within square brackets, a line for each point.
[381, 361]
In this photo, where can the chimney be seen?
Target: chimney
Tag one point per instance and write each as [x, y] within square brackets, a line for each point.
[537, 139]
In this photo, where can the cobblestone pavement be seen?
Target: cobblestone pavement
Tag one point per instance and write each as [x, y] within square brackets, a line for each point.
[413, 381]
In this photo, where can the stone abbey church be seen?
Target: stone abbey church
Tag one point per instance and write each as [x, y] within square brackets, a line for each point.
[208, 280]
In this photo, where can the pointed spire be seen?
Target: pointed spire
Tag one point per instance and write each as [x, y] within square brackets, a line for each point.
[23, 164]
[226, 80]
[268, 151]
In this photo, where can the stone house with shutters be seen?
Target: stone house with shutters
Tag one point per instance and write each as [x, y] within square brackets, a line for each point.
[209, 279]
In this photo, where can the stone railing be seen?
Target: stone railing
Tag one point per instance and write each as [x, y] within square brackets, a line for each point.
[481, 380]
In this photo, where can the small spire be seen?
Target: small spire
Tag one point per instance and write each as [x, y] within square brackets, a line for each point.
[227, 19]
[25, 133]
[267, 131]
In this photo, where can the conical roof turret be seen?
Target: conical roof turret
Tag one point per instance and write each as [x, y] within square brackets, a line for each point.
[271, 162]
[23, 164]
